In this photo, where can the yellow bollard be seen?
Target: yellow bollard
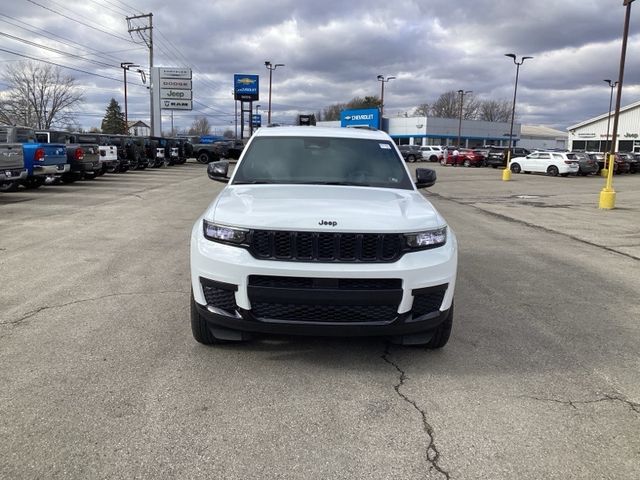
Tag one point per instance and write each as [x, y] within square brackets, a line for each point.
[604, 172]
[506, 173]
[608, 194]
[607, 199]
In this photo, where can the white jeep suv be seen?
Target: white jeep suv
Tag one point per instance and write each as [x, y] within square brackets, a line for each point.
[321, 231]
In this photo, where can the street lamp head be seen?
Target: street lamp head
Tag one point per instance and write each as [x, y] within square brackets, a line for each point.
[390, 78]
[512, 55]
[126, 64]
[525, 58]
[267, 63]
[381, 78]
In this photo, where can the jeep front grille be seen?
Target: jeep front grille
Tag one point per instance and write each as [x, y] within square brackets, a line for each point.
[326, 247]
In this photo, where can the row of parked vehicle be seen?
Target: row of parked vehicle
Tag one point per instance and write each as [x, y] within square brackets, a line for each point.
[29, 157]
[552, 162]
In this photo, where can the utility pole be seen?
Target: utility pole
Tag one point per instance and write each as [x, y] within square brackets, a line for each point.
[149, 42]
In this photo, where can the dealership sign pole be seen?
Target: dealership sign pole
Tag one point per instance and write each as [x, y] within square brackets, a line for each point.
[173, 91]
[608, 194]
[246, 88]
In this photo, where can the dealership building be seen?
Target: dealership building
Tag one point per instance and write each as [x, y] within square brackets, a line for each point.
[592, 135]
[446, 131]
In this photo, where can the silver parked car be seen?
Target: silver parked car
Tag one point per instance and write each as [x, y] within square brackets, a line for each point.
[587, 164]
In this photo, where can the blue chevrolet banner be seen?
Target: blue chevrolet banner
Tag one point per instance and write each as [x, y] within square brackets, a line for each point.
[369, 117]
[246, 87]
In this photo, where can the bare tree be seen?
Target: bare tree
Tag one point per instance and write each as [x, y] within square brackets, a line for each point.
[332, 112]
[38, 96]
[200, 126]
[448, 106]
[495, 111]
[422, 110]
[228, 134]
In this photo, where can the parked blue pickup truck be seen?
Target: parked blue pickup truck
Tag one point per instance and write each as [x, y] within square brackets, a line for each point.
[40, 159]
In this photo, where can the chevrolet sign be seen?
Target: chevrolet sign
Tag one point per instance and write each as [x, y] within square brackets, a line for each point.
[369, 117]
[246, 87]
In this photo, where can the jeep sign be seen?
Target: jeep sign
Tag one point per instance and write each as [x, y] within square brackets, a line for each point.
[177, 94]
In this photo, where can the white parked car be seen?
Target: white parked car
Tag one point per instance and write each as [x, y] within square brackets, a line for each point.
[551, 163]
[322, 231]
[432, 153]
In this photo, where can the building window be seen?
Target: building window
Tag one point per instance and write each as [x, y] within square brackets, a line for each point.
[579, 145]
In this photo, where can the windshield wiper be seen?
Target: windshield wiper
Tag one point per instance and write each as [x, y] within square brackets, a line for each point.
[348, 184]
[253, 182]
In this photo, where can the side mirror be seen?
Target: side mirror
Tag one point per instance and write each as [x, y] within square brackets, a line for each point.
[425, 177]
[218, 171]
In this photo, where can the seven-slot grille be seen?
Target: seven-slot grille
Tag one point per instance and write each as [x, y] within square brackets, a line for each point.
[326, 247]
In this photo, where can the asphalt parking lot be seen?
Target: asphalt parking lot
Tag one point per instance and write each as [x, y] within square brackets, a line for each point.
[101, 378]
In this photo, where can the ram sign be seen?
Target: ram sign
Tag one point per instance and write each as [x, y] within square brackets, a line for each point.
[246, 87]
[368, 117]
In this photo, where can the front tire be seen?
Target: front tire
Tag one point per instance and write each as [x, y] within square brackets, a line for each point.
[442, 333]
[411, 159]
[203, 158]
[200, 329]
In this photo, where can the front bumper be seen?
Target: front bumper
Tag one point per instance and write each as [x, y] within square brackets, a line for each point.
[428, 277]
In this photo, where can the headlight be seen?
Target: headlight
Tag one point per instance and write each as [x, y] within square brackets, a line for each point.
[222, 233]
[427, 239]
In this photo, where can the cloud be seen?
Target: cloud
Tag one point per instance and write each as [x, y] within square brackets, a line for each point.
[333, 50]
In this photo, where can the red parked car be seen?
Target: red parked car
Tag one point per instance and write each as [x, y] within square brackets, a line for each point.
[466, 157]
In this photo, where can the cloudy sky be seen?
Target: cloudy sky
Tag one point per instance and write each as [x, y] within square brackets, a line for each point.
[333, 50]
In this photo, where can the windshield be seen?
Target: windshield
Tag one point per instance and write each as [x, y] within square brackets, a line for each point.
[324, 161]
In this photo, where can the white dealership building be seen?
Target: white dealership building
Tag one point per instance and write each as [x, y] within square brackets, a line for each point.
[592, 135]
[473, 133]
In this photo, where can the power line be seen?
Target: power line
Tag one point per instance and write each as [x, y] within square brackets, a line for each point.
[81, 23]
[68, 41]
[59, 65]
[54, 50]
[110, 9]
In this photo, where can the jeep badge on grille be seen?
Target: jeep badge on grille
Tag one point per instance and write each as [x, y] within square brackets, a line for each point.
[329, 223]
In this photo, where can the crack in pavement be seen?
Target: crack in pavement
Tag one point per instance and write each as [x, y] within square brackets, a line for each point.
[432, 453]
[33, 313]
[607, 398]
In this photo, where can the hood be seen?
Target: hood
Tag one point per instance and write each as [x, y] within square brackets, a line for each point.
[323, 208]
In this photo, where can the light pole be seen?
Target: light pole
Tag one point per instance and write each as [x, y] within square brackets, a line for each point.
[506, 173]
[271, 67]
[462, 93]
[607, 194]
[384, 80]
[612, 85]
[126, 66]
